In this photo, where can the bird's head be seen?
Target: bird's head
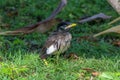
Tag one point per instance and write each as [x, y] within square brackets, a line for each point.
[65, 26]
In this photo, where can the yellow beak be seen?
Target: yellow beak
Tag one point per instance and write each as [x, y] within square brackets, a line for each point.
[71, 25]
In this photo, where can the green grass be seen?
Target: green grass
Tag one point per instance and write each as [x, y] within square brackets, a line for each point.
[19, 58]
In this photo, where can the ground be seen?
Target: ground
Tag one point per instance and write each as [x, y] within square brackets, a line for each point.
[19, 55]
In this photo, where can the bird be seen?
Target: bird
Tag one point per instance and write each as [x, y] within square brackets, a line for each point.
[58, 41]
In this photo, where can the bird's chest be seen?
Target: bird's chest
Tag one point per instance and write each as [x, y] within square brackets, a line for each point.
[63, 45]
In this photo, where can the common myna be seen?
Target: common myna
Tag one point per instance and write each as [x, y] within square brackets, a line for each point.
[59, 41]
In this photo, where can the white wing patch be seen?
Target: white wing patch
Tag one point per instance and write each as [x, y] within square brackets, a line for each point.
[51, 49]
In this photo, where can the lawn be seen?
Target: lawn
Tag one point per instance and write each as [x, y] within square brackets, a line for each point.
[19, 55]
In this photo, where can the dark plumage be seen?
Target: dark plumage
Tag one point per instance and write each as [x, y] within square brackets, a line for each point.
[58, 41]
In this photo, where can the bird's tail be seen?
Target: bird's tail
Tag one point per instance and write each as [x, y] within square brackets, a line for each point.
[44, 56]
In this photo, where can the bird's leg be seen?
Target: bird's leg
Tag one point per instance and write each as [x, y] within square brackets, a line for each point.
[57, 57]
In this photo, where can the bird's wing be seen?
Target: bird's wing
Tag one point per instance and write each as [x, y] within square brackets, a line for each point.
[49, 44]
[52, 44]
[55, 42]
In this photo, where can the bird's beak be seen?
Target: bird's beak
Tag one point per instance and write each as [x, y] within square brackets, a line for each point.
[71, 25]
